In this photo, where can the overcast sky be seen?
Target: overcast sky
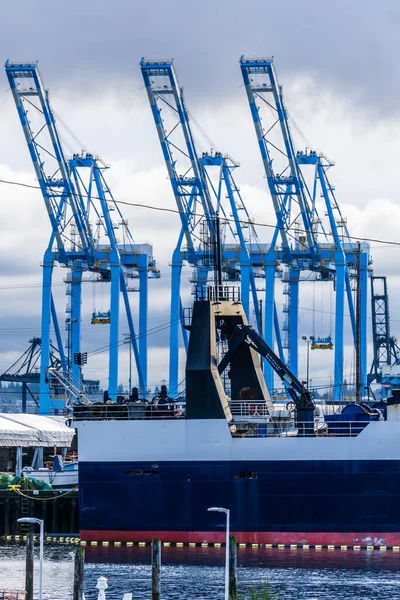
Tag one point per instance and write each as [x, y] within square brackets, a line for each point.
[337, 62]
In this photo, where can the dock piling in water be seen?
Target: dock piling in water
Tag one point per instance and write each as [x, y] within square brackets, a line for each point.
[232, 568]
[29, 567]
[78, 573]
[155, 570]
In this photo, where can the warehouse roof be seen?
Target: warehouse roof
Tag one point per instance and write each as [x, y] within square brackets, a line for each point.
[33, 431]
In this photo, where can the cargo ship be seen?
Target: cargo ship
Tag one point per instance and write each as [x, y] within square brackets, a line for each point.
[292, 476]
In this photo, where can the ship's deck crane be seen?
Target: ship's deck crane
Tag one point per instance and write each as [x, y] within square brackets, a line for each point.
[306, 244]
[302, 398]
[199, 198]
[75, 192]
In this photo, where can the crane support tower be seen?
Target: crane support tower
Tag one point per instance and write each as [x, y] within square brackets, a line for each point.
[78, 199]
[25, 370]
[204, 188]
[309, 249]
[385, 348]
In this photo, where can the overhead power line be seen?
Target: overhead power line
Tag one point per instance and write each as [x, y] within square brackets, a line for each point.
[178, 212]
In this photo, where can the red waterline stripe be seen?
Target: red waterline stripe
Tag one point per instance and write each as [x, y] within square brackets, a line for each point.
[275, 538]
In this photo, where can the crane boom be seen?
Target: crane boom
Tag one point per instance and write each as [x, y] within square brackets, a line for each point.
[284, 178]
[186, 174]
[51, 167]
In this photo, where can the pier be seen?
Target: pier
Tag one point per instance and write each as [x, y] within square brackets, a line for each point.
[58, 509]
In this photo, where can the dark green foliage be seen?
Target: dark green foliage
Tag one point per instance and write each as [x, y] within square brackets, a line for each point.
[30, 483]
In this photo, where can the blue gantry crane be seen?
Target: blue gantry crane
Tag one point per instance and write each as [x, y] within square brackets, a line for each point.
[26, 370]
[386, 351]
[307, 249]
[200, 197]
[76, 194]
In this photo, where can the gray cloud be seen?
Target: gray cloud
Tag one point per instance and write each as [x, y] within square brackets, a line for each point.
[331, 61]
[348, 46]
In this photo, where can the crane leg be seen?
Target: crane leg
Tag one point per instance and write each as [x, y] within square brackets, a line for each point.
[339, 330]
[114, 331]
[364, 317]
[185, 334]
[45, 403]
[245, 285]
[268, 333]
[175, 318]
[76, 301]
[294, 321]
[143, 311]
[131, 330]
[58, 337]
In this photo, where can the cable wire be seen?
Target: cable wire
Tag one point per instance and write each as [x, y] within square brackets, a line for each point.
[178, 212]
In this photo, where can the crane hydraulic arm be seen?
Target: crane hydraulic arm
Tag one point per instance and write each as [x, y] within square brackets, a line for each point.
[305, 406]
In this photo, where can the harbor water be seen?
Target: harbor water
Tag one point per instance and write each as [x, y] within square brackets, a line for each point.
[198, 573]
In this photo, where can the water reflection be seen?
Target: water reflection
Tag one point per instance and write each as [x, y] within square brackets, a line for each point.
[198, 574]
[253, 557]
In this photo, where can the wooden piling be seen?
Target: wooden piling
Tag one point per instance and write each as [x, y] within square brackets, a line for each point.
[155, 570]
[7, 514]
[60, 513]
[54, 520]
[29, 567]
[78, 573]
[232, 568]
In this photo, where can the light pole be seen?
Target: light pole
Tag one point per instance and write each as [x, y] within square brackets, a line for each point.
[41, 523]
[227, 512]
[308, 341]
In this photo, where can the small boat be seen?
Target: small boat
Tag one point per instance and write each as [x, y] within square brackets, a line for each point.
[66, 478]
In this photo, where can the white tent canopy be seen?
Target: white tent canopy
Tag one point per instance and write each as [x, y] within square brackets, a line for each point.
[34, 431]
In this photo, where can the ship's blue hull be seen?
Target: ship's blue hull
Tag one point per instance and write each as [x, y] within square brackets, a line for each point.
[318, 501]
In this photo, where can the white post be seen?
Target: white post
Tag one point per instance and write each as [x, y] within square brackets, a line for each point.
[39, 522]
[102, 586]
[227, 512]
[227, 556]
[41, 559]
